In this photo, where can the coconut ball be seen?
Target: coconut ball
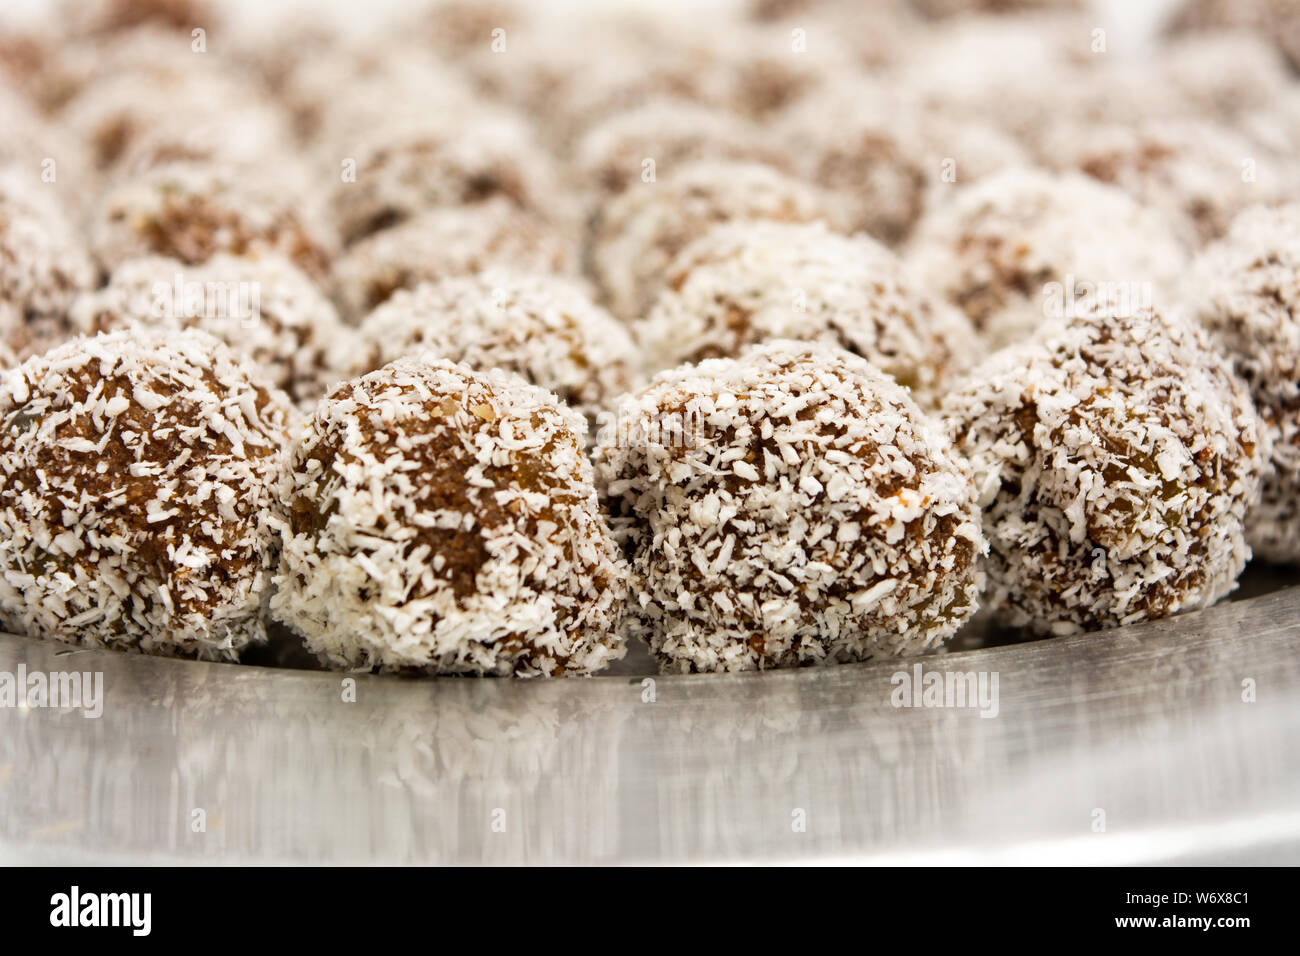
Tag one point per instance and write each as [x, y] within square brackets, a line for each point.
[543, 328]
[572, 71]
[263, 307]
[860, 142]
[1222, 75]
[137, 470]
[639, 232]
[110, 16]
[1011, 72]
[746, 282]
[443, 520]
[754, 69]
[192, 212]
[1117, 457]
[43, 265]
[452, 241]
[651, 142]
[1279, 20]
[1246, 292]
[790, 506]
[409, 167]
[939, 9]
[139, 118]
[331, 96]
[1025, 244]
[1199, 174]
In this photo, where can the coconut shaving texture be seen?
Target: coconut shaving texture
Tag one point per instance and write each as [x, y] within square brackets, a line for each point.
[792, 506]
[994, 247]
[137, 468]
[262, 306]
[746, 282]
[1117, 457]
[638, 232]
[543, 328]
[193, 211]
[451, 241]
[438, 519]
[1246, 291]
[43, 266]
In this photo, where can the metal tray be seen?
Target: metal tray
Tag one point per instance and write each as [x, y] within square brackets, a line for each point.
[1129, 746]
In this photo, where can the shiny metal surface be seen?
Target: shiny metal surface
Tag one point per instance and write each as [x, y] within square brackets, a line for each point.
[1146, 724]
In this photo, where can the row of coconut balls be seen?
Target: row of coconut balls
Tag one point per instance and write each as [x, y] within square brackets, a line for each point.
[771, 502]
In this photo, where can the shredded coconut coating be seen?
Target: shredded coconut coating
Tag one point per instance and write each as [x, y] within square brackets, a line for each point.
[405, 168]
[940, 9]
[994, 247]
[43, 265]
[261, 306]
[612, 156]
[1278, 20]
[137, 470]
[792, 506]
[135, 119]
[1117, 458]
[543, 328]
[92, 17]
[747, 282]
[639, 232]
[1245, 290]
[331, 94]
[1011, 72]
[1222, 75]
[861, 143]
[30, 139]
[753, 69]
[193, 211]
[453, 241]
[443, 520]
[1198, 173]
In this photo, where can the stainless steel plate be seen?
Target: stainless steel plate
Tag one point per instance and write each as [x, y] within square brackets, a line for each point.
[1144, 725]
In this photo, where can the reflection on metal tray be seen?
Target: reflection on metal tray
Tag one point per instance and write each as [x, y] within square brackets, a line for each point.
[1143, 730]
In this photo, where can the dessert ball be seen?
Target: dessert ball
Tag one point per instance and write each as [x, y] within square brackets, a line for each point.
[747, 282]
[652, 142]
[1222, 75]
[330, 84]
[1199, 174]
[43, 265]
[452, 241]
[138, 467]
[139, 118]
[1024, 244]
[1117, 457]
[638, 233]
[262, 306]
[791, 506]
[862, 143]
[110, 16]
[438, 519]
[193, 211]
[1011, 72]
[573, 71]
[407, 168]
[1279, 20]
[1245, 289]
[543, 328]
[757, 70]
[951, 8]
